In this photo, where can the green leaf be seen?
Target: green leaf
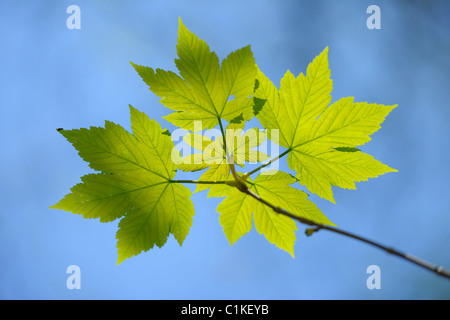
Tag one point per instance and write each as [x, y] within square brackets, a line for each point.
[244, 142]
[237, 208]
[198, 141]
[205, 90]
[217, 172]
[214, 158]
[321, 139]
[168, 209]
[134, 183]
[212, 153]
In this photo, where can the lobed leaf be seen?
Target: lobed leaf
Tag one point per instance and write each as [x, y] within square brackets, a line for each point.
[318, 136]
[205, 90]
[134, 184]
[237, 208]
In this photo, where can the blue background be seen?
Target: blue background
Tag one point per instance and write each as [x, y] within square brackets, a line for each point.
[55, 77]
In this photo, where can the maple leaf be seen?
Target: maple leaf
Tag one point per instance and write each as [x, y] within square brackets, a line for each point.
[321, 139]
[134, 184]
[237, 208]
[205, 88]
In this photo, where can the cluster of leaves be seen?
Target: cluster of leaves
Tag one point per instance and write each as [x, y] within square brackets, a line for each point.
[135, 180]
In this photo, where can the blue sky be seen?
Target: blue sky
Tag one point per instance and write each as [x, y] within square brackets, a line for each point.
[54, 77]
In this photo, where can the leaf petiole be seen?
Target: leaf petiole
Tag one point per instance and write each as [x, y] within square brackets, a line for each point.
[198, 181]
[268, 163]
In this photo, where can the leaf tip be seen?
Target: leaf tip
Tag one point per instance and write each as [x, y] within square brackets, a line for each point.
[291, 252]
[392, 107]
[132, 109]
[119, 260]
[324, 55]
[288, 73]
[181, 24]
[121, 255]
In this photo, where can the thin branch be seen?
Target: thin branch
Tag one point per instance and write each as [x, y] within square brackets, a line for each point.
[317, 226]
[242, 186]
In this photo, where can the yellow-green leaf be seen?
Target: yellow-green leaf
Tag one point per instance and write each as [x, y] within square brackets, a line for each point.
[237, 208]
[205, 90]
[135, 184]
[317, 135]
